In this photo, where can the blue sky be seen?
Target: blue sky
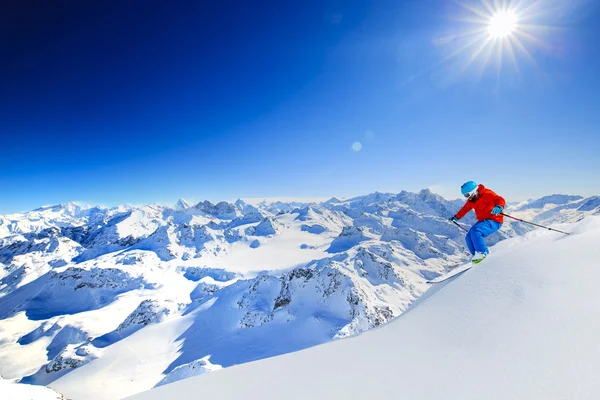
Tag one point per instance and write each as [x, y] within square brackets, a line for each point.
[130, 103]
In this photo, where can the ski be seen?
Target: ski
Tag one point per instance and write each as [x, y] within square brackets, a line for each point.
[453, 272]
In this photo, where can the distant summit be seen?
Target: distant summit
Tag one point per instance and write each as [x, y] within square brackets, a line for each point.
[554, 199]
[182, 204]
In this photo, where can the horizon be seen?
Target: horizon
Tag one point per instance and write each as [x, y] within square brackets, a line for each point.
[129, 104]
[254, 201]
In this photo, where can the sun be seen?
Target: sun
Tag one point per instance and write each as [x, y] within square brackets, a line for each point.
[502, 24]
[493, 35]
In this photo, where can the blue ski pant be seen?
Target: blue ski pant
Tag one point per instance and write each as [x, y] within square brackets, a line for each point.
[479, 231]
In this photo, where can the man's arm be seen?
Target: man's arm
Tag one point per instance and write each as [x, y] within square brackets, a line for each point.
[463, 211]
[500, 201]
[499, 204]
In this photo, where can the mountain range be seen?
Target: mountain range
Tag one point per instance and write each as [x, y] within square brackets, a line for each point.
[102, 303]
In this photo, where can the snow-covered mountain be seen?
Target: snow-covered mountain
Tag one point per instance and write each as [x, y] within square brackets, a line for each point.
[182, 204]
[106, 302]
[558, 208]
[522, 325]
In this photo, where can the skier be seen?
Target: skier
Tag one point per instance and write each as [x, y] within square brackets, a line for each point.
[488, 208]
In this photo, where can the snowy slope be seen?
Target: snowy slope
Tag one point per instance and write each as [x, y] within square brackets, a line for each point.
[15, 391]
[522, 325]
[87, 294]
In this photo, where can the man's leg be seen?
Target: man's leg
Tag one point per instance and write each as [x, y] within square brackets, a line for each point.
[481, 230]
[470, 242]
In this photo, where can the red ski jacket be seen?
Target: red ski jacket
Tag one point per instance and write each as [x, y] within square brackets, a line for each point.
[483, 204]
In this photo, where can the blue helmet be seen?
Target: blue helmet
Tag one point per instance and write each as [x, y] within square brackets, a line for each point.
[468, 189]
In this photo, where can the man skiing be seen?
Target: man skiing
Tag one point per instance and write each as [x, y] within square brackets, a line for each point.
[488, 208]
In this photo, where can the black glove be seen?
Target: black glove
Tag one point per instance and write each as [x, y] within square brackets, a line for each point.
[453, 219]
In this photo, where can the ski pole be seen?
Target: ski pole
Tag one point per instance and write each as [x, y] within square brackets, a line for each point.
[541, 226]
[460, 226]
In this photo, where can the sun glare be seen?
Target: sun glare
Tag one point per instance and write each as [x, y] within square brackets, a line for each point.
[502, 24]
[497, 33]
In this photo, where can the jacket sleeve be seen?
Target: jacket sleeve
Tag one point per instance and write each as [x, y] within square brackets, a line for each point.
[466, 208]
[499, 201]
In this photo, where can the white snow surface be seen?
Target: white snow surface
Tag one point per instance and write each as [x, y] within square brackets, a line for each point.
[523, 324]
[16, 391]
[102, 303]
[194, 368]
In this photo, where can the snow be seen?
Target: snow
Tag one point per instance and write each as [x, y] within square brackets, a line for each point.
[15, 391]
[140, 222]
[182, 204]
[137, 295]
[555, 199]
[280, 252]
[521, 325]
[184, 371]
[128, 365]
[16, 359]
[459, 269]
[556, 208]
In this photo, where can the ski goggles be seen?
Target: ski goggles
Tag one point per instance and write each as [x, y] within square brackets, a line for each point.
[470, 194]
